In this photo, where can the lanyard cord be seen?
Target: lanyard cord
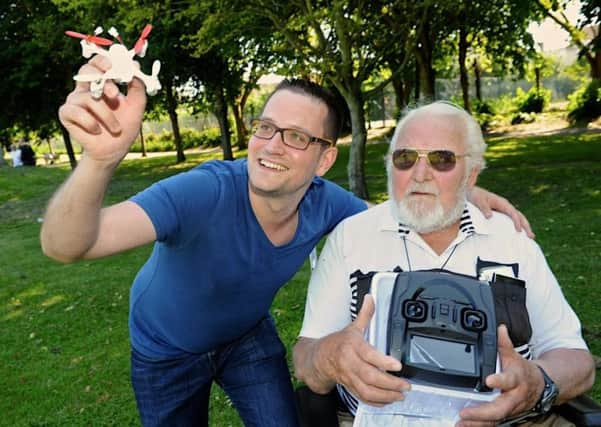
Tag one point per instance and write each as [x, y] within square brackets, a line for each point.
[409, 260]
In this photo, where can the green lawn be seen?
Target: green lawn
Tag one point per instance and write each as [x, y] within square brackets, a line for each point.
[64, 350]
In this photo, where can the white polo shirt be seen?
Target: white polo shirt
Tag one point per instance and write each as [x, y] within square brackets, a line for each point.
[374, 241]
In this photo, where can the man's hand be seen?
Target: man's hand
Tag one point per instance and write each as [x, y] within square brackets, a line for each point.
[487, 202]
[346, 358]
[521, 384]
[105, 127]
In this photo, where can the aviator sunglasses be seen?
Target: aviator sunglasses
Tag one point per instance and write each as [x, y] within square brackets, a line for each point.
[440, 160]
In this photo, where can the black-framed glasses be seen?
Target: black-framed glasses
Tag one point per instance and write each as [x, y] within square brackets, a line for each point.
[294, 138]
[440, 160]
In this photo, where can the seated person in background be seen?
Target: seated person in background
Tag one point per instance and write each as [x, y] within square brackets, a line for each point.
[15, 156]
[27, 154]
[434, 159]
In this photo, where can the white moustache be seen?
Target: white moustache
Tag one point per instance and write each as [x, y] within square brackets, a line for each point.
[422, 188]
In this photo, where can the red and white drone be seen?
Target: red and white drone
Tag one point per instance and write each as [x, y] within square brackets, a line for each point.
[123, 68]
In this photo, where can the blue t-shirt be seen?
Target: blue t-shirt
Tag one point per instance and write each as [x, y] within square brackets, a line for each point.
[213, 273]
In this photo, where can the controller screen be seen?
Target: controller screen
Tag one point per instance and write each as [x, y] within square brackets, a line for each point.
[443, 355]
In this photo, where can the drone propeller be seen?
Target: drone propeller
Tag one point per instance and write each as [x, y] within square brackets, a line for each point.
[100, 41]
[139, 46]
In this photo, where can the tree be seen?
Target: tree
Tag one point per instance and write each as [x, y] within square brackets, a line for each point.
[237, 52]
[166, 43]
[344, 43]
[30, 36]
[495, 28]
[590, 46]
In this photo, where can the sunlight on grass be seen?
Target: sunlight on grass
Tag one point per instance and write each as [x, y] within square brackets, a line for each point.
[53, 300]
[13, 315]
[32, 292]
[539, 189]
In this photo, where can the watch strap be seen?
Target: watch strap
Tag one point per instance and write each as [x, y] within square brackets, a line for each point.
[548, 395]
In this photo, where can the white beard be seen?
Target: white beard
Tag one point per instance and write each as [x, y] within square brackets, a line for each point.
[421, 216]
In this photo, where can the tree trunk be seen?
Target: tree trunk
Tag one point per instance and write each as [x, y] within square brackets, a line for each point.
[241, 132]
[142, 144]
[172, 111]
[477, 80]
[220, 112]
[383, 108]
[463, 77]
[417, 81]
[537, 78]
[424, 56]
[595, 64]
[355, 167]
[402, 90]
[68, 146]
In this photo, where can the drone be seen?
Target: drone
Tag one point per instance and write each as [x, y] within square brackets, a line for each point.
[123, 68]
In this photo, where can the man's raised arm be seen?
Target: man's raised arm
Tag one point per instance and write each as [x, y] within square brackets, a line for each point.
[75, 224]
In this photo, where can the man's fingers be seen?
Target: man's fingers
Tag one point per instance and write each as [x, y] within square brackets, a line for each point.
[85, 120]
[372, 389]
[485, 413]
[81, 109]
[375, 358]
[526, 226]
[96, 66]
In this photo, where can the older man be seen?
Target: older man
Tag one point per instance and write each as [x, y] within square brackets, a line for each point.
[434, 159]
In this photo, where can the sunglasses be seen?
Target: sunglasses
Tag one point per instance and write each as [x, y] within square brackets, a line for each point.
[440, 160]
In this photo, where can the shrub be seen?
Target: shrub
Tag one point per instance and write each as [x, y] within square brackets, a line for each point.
[523, 118]
[483, 107]
[163, 141]
[533, 101]
[585, 103]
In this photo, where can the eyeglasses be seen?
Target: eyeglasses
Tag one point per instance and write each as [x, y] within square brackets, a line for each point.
[291, 137]
[440, 160]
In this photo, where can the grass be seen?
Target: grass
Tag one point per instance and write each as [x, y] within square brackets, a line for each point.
[64, 349]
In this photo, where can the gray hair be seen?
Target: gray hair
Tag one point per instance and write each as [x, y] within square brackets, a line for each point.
[471, 129]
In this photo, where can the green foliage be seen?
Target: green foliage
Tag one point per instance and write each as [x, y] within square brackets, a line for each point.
[483, 113]
[585, 102]
[533, 101]
[191, 138]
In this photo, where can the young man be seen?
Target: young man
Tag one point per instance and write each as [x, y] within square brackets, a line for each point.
[227, 236]
[434, 159]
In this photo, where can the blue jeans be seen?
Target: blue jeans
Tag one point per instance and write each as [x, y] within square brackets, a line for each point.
[251, 370]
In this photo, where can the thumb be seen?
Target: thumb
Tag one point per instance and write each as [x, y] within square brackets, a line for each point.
[136, 88]
[504, 344]
[366, 313]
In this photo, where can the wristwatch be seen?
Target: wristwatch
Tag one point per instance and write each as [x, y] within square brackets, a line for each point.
[545, 402]
[547, 397]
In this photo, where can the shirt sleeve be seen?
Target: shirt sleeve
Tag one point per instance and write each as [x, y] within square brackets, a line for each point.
[329, 295]
[342, 203]
[180, 205]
